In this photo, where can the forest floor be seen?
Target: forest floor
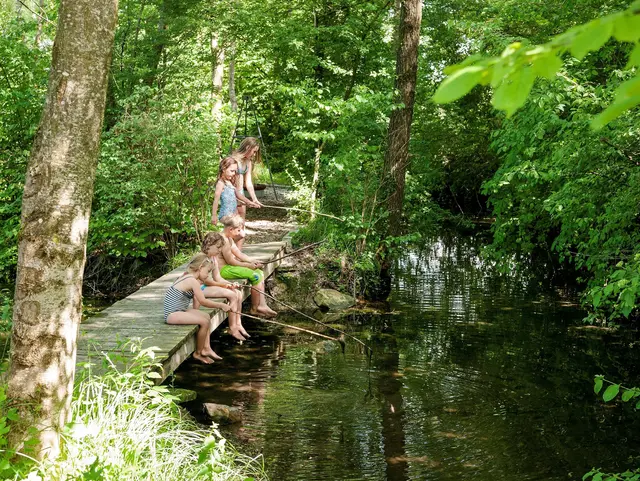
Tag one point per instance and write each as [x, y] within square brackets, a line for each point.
[268, 224]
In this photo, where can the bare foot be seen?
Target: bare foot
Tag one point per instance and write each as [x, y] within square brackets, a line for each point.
[266, 311]
[209, 352]
[243, 332]
[202, 359]
[237, 333]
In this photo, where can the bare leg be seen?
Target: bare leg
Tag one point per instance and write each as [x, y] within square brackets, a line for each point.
[238, 309]
[260, 305]
[203, 346]
[231, 296]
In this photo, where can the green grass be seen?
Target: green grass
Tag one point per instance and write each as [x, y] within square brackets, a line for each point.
[124, 429]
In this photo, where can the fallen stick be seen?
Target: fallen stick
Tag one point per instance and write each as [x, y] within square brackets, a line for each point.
[303, 210]
[311, 318]
[339, 340]
[294, 252]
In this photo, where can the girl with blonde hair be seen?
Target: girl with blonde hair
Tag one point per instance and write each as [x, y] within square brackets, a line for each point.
[176, 305]
[246, 155]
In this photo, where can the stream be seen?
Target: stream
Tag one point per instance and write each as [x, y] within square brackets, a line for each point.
[474, 375]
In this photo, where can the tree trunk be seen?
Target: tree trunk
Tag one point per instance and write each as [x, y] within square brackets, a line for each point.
[316, 178]
[55, 216]
[232, 79]
[397, 154]
[217, 75]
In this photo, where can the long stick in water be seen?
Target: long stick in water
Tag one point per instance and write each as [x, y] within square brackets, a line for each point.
[311, 318]
[294, 252]
[303, 210]
[291, 327]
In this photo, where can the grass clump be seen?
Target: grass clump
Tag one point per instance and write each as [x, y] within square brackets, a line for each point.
[125, 428]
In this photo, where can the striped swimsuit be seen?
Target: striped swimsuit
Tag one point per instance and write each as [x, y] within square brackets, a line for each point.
[176, 300]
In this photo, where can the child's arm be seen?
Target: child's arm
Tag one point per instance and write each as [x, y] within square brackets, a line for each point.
[219, 280]
[216, 282]
[240, 191]
[216, 201]
[199, 299]
[249, 182]
[231, 258]
[253, 263]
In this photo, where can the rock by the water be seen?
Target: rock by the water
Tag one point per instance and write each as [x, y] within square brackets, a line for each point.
[183, 395]
[223, 414]
[332, 300]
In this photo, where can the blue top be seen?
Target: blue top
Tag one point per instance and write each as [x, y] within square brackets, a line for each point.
[228, 201]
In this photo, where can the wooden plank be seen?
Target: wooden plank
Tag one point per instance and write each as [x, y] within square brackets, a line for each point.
[141, 316]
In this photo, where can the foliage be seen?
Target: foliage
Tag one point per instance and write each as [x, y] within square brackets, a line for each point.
[513, 73]
[25, 57]
[6, 310]
[611, 393]
[124, 427]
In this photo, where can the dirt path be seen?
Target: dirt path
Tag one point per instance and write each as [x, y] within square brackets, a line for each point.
[267, 225]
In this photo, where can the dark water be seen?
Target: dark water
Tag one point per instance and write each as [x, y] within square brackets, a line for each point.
[474, 376]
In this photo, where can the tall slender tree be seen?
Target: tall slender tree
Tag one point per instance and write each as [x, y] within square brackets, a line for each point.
[397, 154]
[54, 222]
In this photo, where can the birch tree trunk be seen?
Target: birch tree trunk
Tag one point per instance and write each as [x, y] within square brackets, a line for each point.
[55, 216]
[397, 154]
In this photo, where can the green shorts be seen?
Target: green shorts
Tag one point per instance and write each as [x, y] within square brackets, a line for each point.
[235, 272]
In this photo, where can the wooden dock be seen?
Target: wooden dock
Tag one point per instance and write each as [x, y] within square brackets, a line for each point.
[140, 317]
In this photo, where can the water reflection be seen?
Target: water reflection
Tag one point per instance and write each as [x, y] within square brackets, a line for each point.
[475, 376]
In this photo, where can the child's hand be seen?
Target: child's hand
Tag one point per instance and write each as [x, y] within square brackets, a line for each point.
[214, 221]
[258, 265]
[230, 286]
[256, 205]
[225, 307]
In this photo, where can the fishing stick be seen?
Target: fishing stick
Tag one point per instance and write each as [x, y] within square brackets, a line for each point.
[294, 252]
[312, 319]
[341, 341]
[303, 210]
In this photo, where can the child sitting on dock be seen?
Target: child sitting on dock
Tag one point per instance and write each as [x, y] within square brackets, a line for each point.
[234, 264]
[176, 305]
[216, 286]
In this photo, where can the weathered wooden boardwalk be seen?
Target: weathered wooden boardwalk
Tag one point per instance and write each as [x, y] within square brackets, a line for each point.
[140, 317]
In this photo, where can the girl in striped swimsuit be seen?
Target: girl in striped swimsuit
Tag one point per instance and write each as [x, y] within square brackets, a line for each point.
[176, 305]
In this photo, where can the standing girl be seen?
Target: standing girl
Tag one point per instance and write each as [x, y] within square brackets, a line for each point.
[225, 195]
[247, 153]
[176, 305]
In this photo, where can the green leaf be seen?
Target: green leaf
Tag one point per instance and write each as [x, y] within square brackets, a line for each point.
[459, 83]
[634, 58]
[611, 392]
[627, 28]
[153, 375]
[596, 298]
[627, 395]
[547, 66]
[591, 37]
[612, 112]
[597, 385]
[513, 92]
